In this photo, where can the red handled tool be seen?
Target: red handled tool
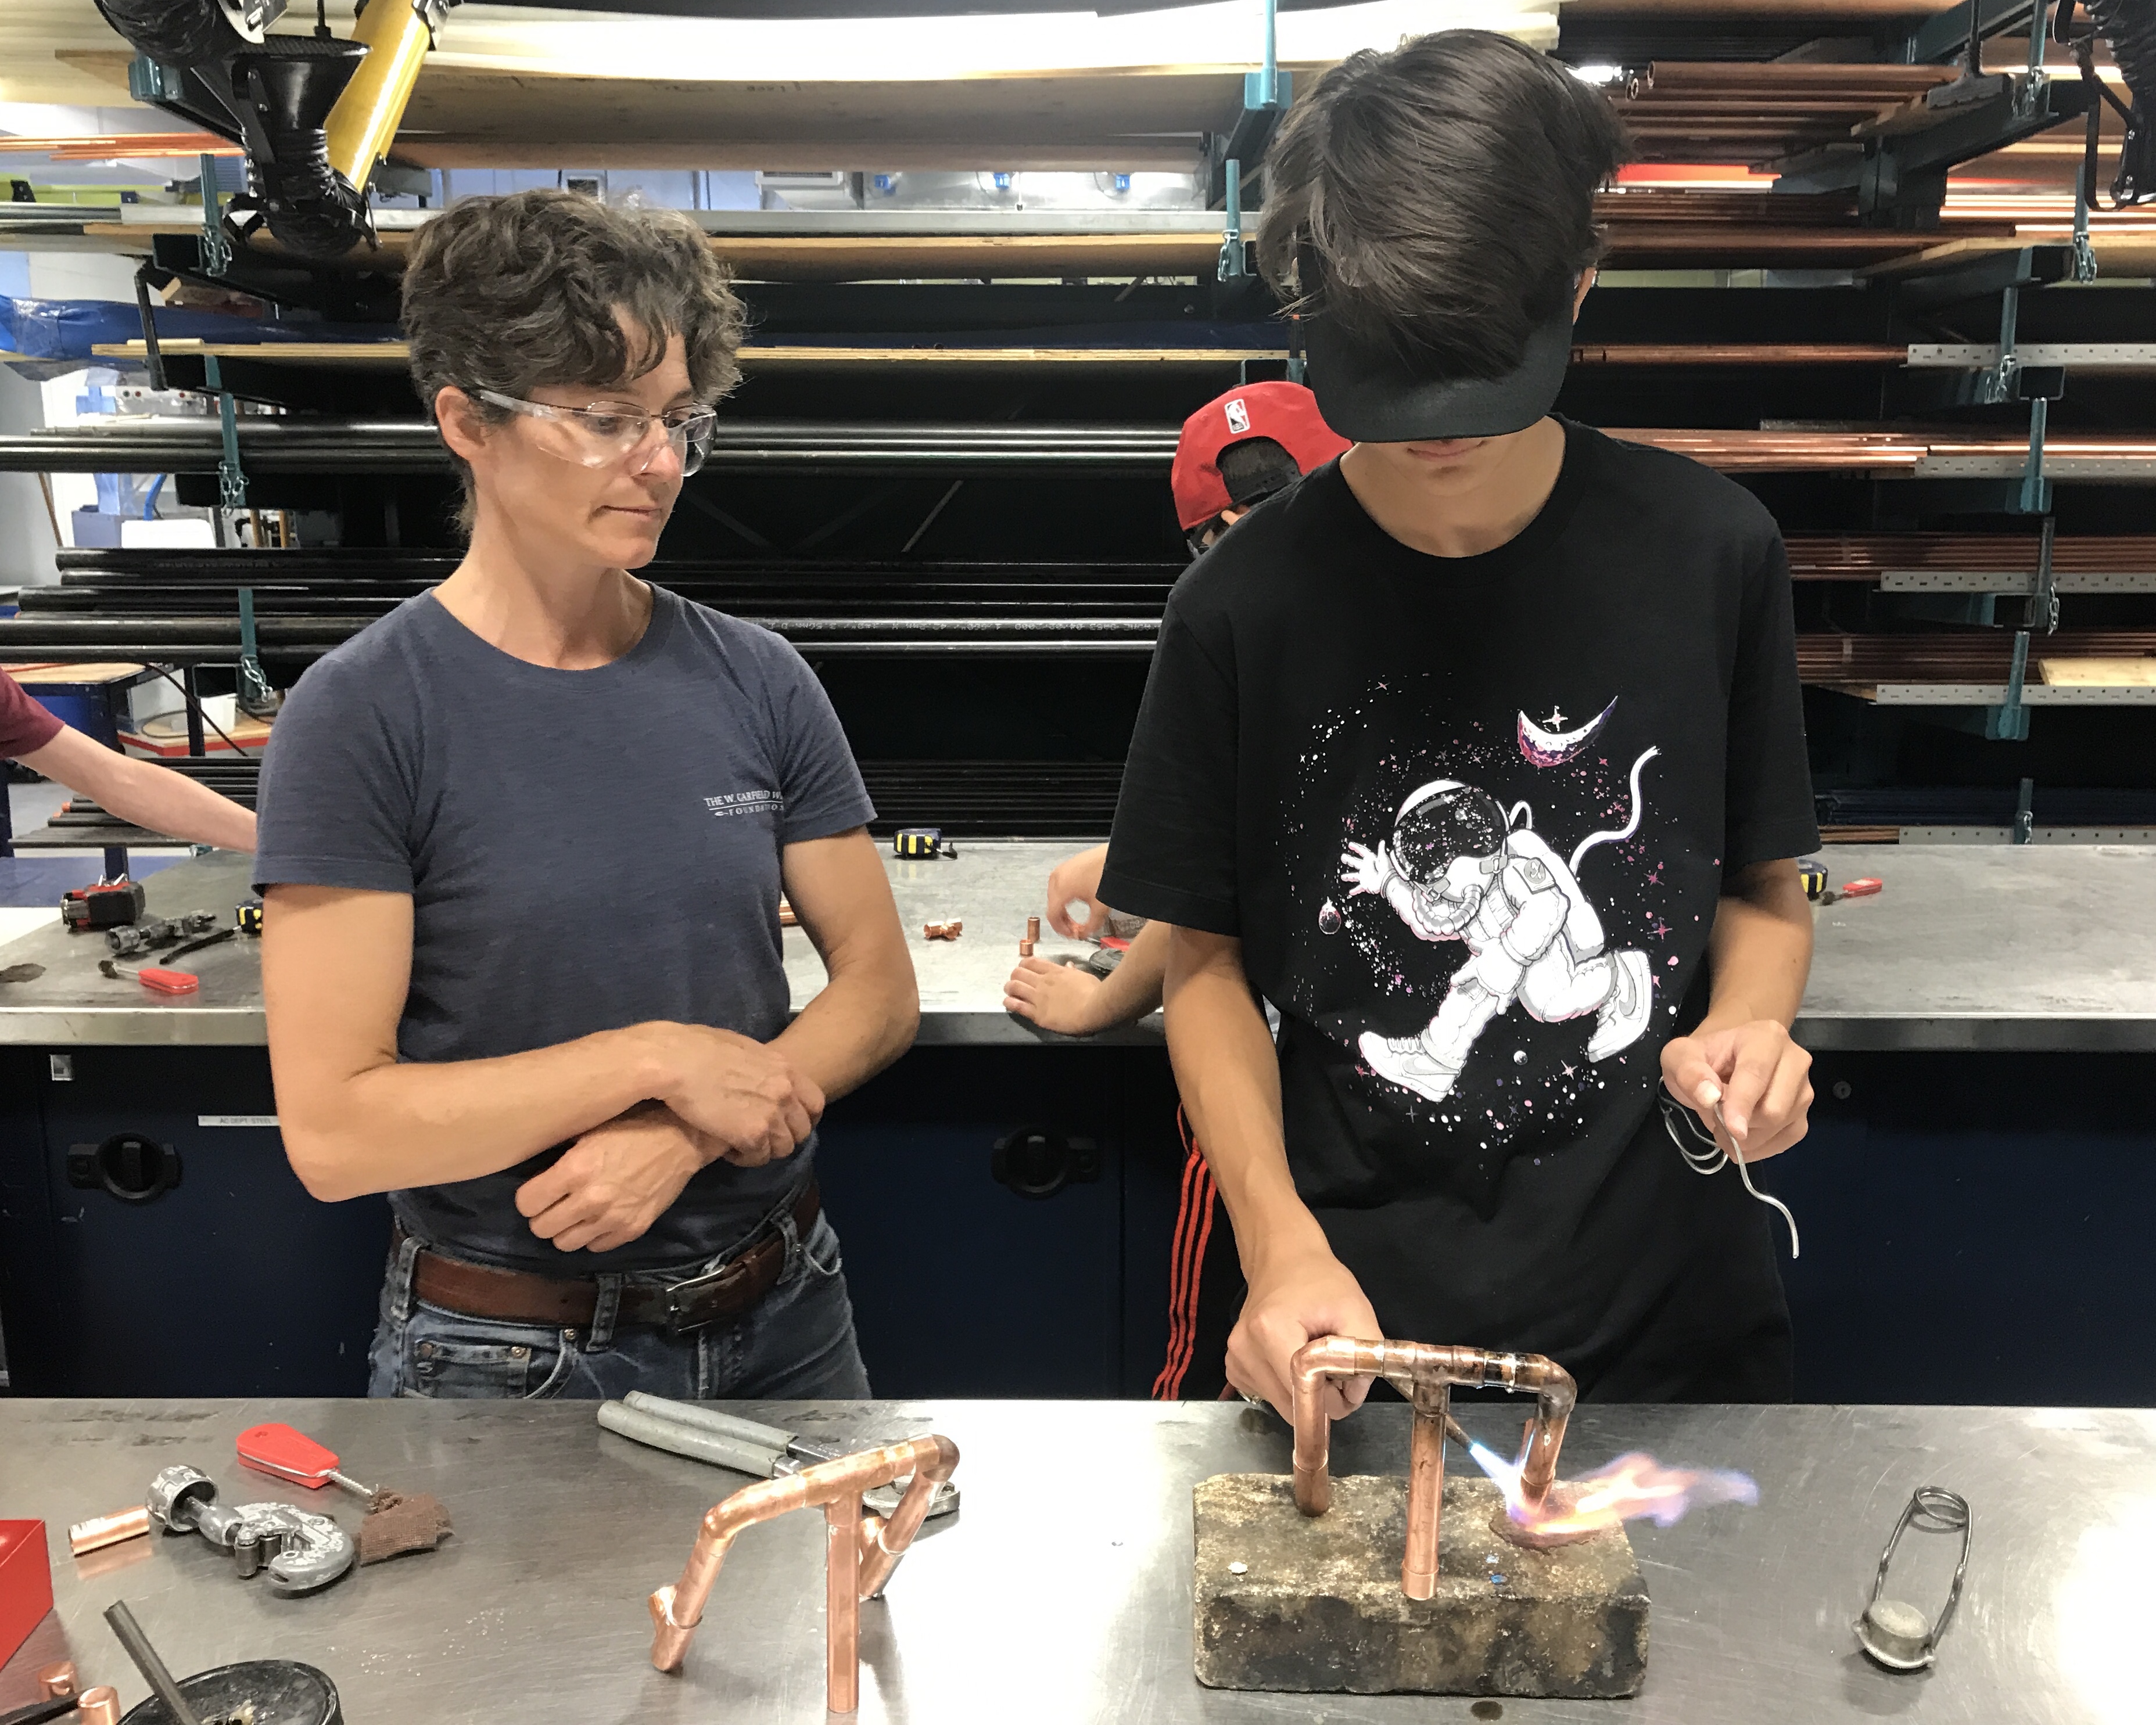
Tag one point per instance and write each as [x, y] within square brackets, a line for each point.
[156, 980]
[289, 1455]
[1863, 888]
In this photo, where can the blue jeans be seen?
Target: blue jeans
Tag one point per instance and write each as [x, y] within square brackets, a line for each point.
[797, 1345]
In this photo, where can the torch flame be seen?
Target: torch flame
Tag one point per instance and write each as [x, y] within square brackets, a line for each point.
[1634, 1484]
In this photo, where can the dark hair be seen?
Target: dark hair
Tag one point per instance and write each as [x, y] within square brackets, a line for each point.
[1437, 202]
[1254, 469]
[512, 294]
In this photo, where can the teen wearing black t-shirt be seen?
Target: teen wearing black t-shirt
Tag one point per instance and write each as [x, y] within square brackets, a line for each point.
[1479, 754]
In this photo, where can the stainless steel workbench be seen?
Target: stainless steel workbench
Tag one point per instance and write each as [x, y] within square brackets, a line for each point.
[1994, 947]
[1061, 1592]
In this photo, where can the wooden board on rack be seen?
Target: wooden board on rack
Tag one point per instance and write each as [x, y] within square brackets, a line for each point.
[2118, 256]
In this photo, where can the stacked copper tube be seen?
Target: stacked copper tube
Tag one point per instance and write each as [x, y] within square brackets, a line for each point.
[1032, 934]
[1866, 556]
[1880, 450]
[1969, 656]
[1747, 112]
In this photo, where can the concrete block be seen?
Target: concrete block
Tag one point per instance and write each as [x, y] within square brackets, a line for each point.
[1313, 1605]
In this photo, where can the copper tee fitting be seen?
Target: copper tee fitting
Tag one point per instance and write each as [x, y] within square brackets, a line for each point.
[859, 1552]
[1424, 1374]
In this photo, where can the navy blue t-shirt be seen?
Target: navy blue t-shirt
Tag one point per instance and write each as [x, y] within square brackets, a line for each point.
[585, 850]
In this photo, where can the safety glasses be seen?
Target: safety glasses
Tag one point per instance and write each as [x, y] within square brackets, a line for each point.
[598, 437]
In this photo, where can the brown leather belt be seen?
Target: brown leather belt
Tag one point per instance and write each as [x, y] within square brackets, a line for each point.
[523, 1297]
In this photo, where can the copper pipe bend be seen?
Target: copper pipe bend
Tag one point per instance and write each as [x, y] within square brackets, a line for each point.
[677, 1609]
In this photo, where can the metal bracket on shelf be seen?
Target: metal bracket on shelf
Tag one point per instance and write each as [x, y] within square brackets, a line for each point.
[1998, 382]
[231, 477]
[2024, 813]
[216, 248]
[2036, 488]
[1232, 266]
[2041, 609]
[2009, 723]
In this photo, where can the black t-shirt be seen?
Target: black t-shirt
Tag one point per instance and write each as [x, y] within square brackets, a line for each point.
[1469, 818]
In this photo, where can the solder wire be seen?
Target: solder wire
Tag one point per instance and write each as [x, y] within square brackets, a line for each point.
[1705, 1155]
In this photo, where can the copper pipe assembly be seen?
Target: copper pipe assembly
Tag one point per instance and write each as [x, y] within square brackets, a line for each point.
[942, 931]
[1426, 1375]
[860, 1551]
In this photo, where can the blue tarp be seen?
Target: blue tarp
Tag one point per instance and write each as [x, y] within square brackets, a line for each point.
[68, 329]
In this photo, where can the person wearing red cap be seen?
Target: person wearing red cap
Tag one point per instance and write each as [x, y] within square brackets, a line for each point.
[1235, 452]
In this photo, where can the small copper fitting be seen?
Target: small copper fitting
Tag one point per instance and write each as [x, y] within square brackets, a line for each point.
[1424, 1374]
[98, 1706]
[108, 1529]
[861, 1552]
[787, 919]
[1025, 949]
[1033, 928]
[944, 931]
[56, 1681]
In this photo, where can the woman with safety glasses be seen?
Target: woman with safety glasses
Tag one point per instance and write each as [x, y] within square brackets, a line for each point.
[522, 846]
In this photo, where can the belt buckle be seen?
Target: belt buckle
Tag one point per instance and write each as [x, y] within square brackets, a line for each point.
[682, 1295]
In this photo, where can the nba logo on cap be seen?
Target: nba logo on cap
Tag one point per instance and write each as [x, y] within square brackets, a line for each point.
[1239, 418]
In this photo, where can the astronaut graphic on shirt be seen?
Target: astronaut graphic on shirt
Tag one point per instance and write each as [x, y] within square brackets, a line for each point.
[1458, 867]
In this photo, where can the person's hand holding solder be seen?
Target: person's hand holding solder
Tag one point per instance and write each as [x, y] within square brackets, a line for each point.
[1077, 880]
[615, 1181]
[1750, 1084]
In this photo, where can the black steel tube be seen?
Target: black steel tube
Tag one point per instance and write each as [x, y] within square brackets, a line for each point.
[147, 1662]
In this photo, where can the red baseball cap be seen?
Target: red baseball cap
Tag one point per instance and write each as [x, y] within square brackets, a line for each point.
[1286, 413]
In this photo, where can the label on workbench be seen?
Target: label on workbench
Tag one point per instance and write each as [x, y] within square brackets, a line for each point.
[235, 1119]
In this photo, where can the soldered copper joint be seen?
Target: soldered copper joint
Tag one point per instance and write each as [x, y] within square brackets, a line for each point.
[942, 931]
[861, 1552]
[1426, 1375]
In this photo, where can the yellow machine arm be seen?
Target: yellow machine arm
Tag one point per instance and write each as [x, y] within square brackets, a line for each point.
[362, 125]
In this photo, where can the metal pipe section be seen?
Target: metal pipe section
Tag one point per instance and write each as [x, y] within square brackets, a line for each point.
[1426, 1499]
[842, 1603]
[677, 1609]
[1423, 1374]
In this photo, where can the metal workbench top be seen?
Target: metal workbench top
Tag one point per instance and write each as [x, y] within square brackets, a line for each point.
[1997, 947]
[1061, 1592]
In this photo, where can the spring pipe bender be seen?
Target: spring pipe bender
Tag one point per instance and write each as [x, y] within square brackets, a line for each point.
[1424, 1374]
[860, 1551]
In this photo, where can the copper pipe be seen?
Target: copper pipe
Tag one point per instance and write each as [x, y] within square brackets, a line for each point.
[57, 1682]
[1033, 928]
[1025, 949]
[1423, 1375]
[678, 1608]
[108, 1530]
[842, 1603]
[1425, 1504]
[98, 1707]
